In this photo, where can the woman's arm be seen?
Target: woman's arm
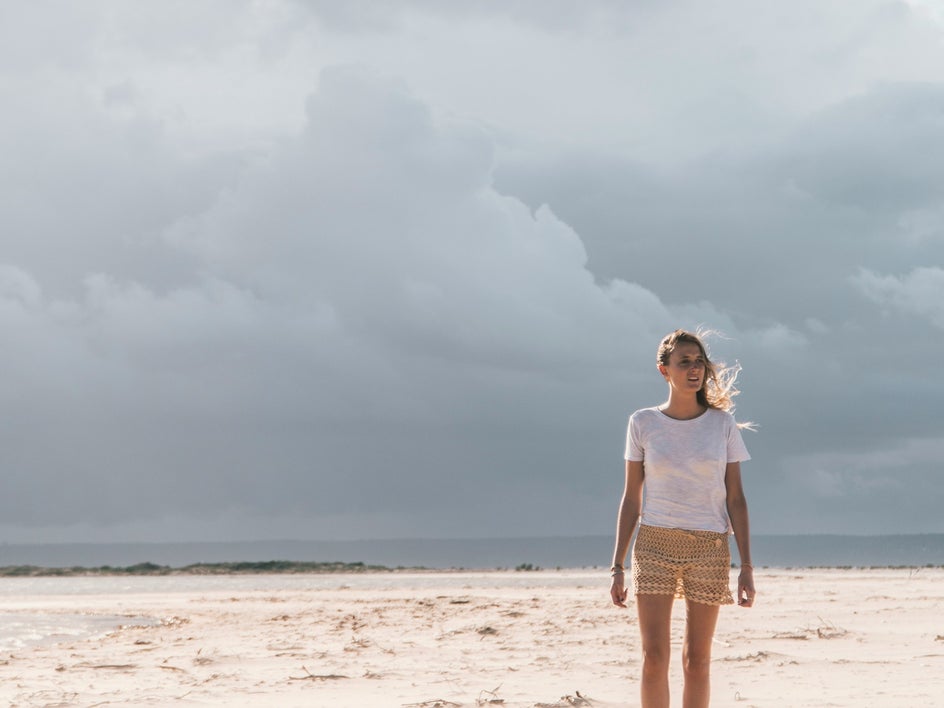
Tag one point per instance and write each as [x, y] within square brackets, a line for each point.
[630, 507]
[740, 522]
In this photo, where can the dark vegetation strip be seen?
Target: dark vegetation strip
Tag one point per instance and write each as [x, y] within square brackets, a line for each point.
[237, 568]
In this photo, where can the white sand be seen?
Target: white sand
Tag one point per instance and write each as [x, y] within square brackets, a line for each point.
[863, 638]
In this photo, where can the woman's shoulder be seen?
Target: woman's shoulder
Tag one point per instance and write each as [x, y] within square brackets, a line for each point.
[720, 413]
[725, 418]
[645, 415]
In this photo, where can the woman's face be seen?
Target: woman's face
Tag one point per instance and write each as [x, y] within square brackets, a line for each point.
[685, 371]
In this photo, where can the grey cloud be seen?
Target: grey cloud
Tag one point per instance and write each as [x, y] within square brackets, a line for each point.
[920, 292]
[410, 303]
[879, 151]
[791, 241]
[865, 487]
[87, 191]
[783, 207]
[555, 15]
[359, 290]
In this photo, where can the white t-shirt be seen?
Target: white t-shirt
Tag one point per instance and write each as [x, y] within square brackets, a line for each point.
[684, 463]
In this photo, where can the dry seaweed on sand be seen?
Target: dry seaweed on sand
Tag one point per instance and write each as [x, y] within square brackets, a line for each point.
[433, 703]
[828, 630]
[493, 701]
[316, 677]
[566, 701]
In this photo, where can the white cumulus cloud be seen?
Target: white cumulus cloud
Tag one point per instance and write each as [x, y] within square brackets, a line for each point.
[920, 292]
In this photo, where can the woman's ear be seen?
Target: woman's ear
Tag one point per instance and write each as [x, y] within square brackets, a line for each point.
[661, 370]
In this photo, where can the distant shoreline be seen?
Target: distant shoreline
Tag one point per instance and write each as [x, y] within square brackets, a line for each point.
[798, 551]
[232, 568]
[338, 568]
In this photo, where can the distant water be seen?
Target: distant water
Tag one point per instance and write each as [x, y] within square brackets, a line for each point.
[19, 630]
[563, 552]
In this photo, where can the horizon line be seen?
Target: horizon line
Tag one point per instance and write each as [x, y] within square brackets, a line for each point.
[429, 539]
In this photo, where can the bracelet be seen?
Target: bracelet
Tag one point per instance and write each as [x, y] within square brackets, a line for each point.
[616, 567]
[746, 565]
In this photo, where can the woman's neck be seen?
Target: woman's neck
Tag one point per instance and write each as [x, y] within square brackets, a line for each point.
[682, 407]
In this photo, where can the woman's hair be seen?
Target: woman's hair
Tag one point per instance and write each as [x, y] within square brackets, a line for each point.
[718, 390]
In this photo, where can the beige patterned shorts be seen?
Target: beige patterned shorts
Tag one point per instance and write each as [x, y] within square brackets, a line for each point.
[688, 564]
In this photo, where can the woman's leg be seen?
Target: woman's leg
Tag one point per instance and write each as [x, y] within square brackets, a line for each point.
[655, 619]
[700, 624]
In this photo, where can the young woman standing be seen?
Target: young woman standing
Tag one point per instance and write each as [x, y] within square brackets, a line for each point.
[683, 487]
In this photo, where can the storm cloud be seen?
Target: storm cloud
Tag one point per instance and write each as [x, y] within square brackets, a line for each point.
[284, 270]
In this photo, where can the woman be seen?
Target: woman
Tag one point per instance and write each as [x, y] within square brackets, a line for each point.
[683, 485]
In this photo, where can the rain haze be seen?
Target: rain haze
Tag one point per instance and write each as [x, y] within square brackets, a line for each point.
[342, 270]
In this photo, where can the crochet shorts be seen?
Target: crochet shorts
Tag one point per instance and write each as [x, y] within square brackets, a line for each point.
[687, 564]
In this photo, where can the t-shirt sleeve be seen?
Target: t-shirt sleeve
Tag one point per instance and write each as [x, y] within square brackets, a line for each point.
[634, 448]
[737, 450]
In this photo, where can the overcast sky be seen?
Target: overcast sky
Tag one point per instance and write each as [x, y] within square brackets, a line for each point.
[315, 269]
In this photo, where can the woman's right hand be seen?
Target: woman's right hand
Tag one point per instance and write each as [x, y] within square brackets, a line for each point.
[618, 592]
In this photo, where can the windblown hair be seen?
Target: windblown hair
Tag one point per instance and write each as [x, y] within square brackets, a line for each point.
[718, 390]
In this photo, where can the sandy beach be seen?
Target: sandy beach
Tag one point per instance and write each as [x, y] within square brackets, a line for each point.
[816, 638]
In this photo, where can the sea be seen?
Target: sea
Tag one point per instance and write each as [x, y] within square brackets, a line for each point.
[583, 557]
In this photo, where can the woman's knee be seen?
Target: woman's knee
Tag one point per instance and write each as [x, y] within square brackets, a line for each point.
[696, 664]
[655, 661]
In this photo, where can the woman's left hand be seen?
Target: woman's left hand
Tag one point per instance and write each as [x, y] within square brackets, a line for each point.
[746, 590]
